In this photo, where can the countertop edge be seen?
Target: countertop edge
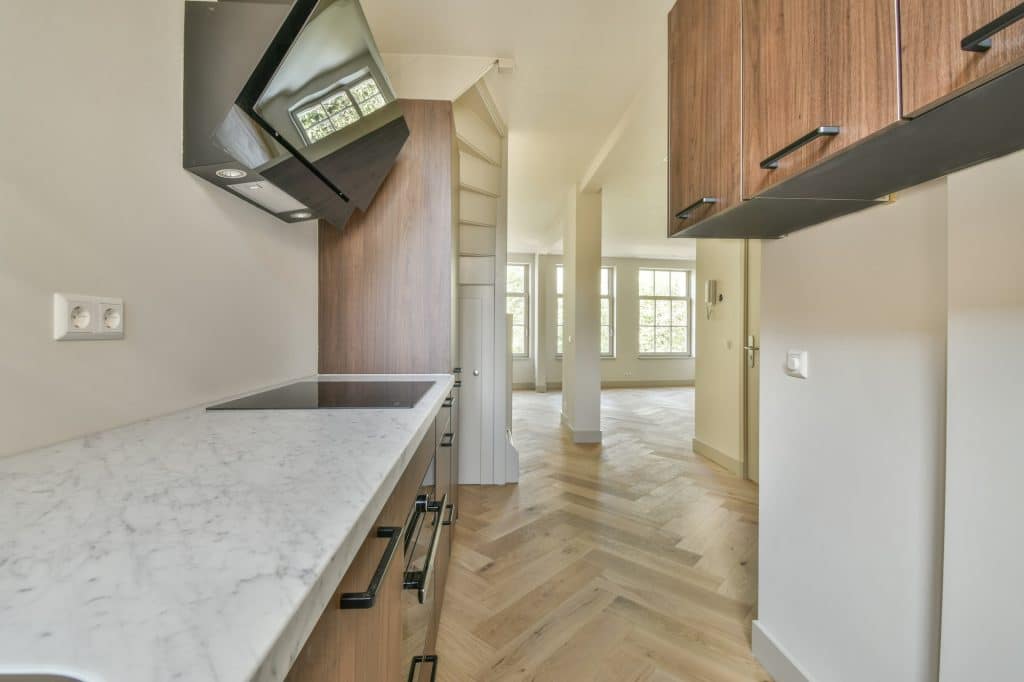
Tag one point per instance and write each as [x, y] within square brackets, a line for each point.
[285, 650]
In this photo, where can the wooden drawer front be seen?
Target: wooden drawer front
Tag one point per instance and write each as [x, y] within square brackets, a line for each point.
[703, 110]
[355, 645]
[935, 67]
[809, 64]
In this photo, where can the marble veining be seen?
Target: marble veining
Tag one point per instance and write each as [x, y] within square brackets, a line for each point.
[197, 546]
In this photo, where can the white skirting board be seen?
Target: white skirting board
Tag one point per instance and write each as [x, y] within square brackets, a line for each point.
[773, 657]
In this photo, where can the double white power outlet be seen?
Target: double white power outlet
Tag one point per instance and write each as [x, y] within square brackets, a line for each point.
[87, 318]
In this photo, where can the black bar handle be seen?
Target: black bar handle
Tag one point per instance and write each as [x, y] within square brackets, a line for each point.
[772, 162]
[420, 580]
[416, 660]
[447, 440]
[458, 384]
[981, 40]
[448, 402]
[457, 370]
[451, 515]
[703, 201]
[366, 600]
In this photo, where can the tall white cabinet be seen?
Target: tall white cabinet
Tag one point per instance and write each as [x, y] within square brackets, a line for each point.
[486, 455]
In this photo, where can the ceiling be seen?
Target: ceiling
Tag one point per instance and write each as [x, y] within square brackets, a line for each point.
[589, 73]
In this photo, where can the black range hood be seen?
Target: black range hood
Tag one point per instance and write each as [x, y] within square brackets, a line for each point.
[288, 106]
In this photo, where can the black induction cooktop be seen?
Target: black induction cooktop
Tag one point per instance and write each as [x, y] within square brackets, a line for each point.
[334, 395]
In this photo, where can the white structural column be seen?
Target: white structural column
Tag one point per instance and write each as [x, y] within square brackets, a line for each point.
[581, 370]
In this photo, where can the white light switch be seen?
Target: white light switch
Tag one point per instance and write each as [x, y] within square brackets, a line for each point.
[796, 364]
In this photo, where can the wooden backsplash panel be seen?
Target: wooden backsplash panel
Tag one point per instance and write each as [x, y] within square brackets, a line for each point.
[386, 280]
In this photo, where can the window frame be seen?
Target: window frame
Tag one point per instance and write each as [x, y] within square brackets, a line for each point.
[610, 355]
[320, 97]
[559, 324]
[688, 298]
[611, 310]
[525, 295]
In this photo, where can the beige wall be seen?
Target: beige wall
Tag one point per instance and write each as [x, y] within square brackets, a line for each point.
[719, 405]
[982, 602]
[626, 366]
[220, 298]
[851, 462]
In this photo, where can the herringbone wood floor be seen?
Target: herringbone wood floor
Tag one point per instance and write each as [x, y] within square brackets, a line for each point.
[631, 561]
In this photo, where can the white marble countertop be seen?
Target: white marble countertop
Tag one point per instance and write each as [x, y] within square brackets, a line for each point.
[197, 546]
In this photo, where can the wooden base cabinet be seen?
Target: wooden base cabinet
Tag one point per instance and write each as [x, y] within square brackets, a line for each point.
[944, 47]
[390, 634]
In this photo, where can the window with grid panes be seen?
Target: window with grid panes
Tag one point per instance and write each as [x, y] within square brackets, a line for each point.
[666, 309]
[517, 304]
[607, 327]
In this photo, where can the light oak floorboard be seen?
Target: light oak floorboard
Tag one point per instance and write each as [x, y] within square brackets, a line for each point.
[633, 561]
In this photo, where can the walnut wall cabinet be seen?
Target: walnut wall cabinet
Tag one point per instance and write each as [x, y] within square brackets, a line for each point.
[381, 624]
[950, 46]
[823, 130]
[704, 114]
[818, 76]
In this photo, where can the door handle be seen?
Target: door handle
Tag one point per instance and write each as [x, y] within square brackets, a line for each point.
[420, 580]
[772, 162]
[981, 40]
[703, 201]
[751, 348]
[366, 600]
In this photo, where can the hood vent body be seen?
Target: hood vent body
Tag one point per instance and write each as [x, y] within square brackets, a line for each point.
[293, 97]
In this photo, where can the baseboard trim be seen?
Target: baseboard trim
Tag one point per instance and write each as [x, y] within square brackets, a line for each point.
[773, 657]
[653, 383]
[733, 466]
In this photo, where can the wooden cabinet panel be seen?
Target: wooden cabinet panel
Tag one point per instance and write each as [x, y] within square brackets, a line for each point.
[935, 67]
[812, 63]
[703, 109]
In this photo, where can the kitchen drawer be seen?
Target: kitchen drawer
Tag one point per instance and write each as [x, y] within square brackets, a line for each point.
[365, 643]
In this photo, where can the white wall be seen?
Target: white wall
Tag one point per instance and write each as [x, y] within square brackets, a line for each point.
[220, 297]
[852, 458]
[626, 367]
[719, 407]
[982, 600]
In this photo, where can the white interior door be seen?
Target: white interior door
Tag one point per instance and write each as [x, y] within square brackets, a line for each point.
[476, 344]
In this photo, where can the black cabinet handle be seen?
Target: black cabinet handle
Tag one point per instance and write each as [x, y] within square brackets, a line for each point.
[451, 515]
[772, 162]
[981, 40]
[416, 660]
[448, 402]
[703, 201]
[447, 440]
[458, 384]
[366, 600]
[420, 580]
[457, 370]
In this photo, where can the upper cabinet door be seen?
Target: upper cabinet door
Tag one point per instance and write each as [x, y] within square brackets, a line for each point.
[818, 76]
[943, 52]
[703, 110]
